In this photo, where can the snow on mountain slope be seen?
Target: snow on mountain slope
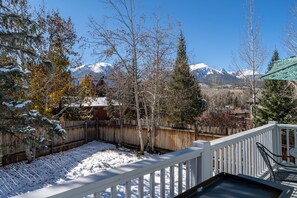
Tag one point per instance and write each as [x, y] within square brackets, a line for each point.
[96, 70]
[209, 75]
[245, 73]
[198, 66]
[203, 69]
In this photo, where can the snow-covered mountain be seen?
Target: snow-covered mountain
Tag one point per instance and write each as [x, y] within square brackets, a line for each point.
[202, 71]
[209, 75]
[96, 71]
[246, 74]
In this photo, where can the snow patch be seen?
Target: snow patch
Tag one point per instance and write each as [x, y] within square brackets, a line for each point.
[94, 157]
[16, 105]
[198, 66]
[7, 104]
[96, 71]
[12, 69]
[96, 68]
[203, 67]
[23, 104]
[246, 73]
[77, 68]
[97, 102]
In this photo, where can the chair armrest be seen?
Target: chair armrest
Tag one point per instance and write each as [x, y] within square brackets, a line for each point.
[282, 164]
[275, 155]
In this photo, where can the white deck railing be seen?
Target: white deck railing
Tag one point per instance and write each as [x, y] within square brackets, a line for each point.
[238, 154]
[180, 170]
[287, 139]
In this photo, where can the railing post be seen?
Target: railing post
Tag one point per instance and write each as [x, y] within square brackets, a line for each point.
[276, 143]
[205, 162]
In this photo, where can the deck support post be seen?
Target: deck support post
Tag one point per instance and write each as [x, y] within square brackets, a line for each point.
[276, 139]
[205, 162]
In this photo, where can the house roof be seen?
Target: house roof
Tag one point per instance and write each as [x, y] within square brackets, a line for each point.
[93, 102]
[285, 69]
[97, 102]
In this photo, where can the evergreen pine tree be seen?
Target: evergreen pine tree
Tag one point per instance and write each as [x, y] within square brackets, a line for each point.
[185, 102]
[277, 102]
[19, 39]
[110, 109]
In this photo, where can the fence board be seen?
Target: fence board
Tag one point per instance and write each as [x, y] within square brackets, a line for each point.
[165, 138]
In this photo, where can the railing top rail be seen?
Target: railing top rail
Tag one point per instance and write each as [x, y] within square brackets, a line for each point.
[287, 126]
[240, 136]
[100, 181]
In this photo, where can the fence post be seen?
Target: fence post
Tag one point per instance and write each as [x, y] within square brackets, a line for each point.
[276, 139]
[205, 162]
[86, 132]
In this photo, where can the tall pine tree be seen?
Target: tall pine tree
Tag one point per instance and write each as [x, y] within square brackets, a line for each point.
[277, 102]
[185, 100]
[19, 39]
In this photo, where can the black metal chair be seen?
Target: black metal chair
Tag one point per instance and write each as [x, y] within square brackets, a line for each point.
[282, 172]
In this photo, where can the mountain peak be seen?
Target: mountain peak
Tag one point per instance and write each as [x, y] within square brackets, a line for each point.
[198, 66]
[246, 73]
[97, 70]
[203, 69]
[99, 67]
[208, 75]
[224, 71]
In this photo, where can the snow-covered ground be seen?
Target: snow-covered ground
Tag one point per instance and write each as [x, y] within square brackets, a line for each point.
[90, 158]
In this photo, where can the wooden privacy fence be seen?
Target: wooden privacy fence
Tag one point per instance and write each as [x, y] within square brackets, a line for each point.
[77, 134]
[165, 138]
[219, 130]
[81, 132]
[205, 129]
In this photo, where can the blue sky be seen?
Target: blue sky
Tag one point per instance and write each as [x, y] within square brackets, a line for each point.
[212, 28]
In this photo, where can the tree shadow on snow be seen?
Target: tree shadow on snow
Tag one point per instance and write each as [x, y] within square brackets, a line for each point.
[49, 170]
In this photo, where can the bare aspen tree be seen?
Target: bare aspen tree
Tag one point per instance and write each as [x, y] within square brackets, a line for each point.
[122, 42]
[290, 41]
[119, 89]
[251, 54]
[160, 48]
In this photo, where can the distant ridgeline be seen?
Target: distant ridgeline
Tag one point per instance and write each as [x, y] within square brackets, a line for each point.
[203, 72]
[211, 76]
[96, 71]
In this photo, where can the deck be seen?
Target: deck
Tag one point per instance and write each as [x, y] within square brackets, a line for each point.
[180, 170]
[294, 185]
